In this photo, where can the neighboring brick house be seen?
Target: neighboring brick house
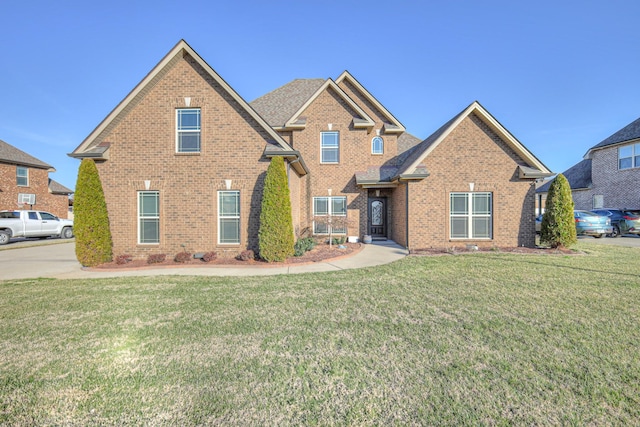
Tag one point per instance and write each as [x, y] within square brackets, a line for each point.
[182, 161]
[609, 174]
[25, 183]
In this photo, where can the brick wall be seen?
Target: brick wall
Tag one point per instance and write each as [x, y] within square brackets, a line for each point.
[472, 153]
[57, 204]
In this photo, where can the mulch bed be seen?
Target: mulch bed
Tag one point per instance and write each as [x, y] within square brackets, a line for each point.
[512, 250]
[321, 252]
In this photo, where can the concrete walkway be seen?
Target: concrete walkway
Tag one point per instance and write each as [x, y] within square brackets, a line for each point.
[59, 262]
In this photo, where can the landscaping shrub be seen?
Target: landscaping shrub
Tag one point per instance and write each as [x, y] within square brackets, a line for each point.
[339, 240]
[182, 257]
[275, 236]
[304, 245]
[156, 258]
[91, 220]
[123, 259]
[558, 228]
[209, 256]
[246, 255]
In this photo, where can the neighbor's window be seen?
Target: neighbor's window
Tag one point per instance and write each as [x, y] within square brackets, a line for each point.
[377, 145]
[629, 156]
[148, 217]
[330, 147]
[229, 217]
[22, 176]
[333, 209]
[188, 130]
[471, 215]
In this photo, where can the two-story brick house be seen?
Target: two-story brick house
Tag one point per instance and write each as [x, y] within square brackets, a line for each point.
[182, 161]
[609, 173]
[25, 183]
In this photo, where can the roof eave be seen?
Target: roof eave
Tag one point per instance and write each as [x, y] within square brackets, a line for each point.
[293, 157]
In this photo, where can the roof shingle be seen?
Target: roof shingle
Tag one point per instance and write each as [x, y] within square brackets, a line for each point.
[279, 105]
[10, 154]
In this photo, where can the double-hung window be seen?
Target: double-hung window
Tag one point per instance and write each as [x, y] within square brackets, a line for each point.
[629, 156]
[471, 215]
[330, 212]
[22, 176]
[329, 147]
[188, 130]
[229, 217]
[148, 217]
[377, 145]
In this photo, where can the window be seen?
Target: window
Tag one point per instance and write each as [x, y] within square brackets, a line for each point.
[22, 176]
[229, 217]
[629, 156]
[598, 201]
[377, 145]
[334, 209]
[330, 147]
[470, 215]
[148, 217]
[188, 130]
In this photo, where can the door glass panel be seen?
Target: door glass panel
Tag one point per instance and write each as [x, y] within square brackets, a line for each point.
[376, 213]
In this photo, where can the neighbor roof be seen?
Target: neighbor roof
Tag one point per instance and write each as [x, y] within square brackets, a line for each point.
[57, 188]
[578, 175]
[12, 155]
[627, 133]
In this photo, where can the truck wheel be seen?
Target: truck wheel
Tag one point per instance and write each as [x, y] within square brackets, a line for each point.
[67, 233]
[4, 237]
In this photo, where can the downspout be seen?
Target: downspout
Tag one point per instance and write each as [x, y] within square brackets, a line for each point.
[407, 215]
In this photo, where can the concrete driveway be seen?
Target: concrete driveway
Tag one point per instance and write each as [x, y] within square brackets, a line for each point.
[629, 240]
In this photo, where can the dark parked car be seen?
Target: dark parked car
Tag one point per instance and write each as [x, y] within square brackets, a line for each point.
[587, 223]
[623, 222]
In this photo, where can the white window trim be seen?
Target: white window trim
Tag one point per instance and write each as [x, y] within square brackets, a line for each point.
[373, 151]
[220, 217]
[336, 148]
[26, 169]
[633, 156]
[329, 213]
[178, 130]
[140, 217]
[469, 215]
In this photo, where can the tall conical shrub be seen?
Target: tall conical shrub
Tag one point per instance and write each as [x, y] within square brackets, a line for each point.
[276, 225]
[558, 226]
[90, 218]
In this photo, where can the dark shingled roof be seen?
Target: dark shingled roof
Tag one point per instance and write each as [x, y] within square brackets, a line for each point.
[578, 175]
[279, 105]
[627, 133]
[10, 154]
[57, 188]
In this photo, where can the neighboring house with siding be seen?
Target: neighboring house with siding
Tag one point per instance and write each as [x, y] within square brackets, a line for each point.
[182, 161]
[609, 174]
[25, 183]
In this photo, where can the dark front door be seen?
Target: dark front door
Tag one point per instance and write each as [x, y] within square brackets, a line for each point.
[378, 217]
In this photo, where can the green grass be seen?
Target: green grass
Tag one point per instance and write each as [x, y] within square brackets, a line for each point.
[477, 339]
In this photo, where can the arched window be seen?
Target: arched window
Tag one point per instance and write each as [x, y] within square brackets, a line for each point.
[377, 145]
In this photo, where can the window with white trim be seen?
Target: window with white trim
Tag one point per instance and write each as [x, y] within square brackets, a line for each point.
[629, 156]
[22, 176]
[229, 217]
[471, 215]
[377, 145]
[330, 211]
[148, 217]
[188, 130]
[329, 147]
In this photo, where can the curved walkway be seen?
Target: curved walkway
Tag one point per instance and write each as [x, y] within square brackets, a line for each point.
[59, 262]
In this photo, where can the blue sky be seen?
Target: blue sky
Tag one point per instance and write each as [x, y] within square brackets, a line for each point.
[560, 75]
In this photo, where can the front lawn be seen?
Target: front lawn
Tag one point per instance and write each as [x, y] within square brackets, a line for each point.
[475, 339]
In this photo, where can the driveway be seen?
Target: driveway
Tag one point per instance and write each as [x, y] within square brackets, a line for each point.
[629, 240]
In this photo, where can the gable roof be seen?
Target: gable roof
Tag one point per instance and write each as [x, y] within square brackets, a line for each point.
[12, 155]
[393, 125]
[627, 133]
[534, 168]
[578, 175]
[94, 147]
[57, 188]
[284, 106]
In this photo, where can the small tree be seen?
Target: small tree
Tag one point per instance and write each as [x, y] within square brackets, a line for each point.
[276, 238]
[90, 218]
[558, 226]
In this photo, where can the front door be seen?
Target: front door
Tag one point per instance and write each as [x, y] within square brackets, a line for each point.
[378, 217]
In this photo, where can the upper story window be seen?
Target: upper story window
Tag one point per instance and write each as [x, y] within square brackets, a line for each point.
[377, 145]
[188, 130]
[330, 147]
[629, 156]
[22, 176]
[470, 215]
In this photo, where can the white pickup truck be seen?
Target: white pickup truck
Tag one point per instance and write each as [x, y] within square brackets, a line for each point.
[33, 224]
